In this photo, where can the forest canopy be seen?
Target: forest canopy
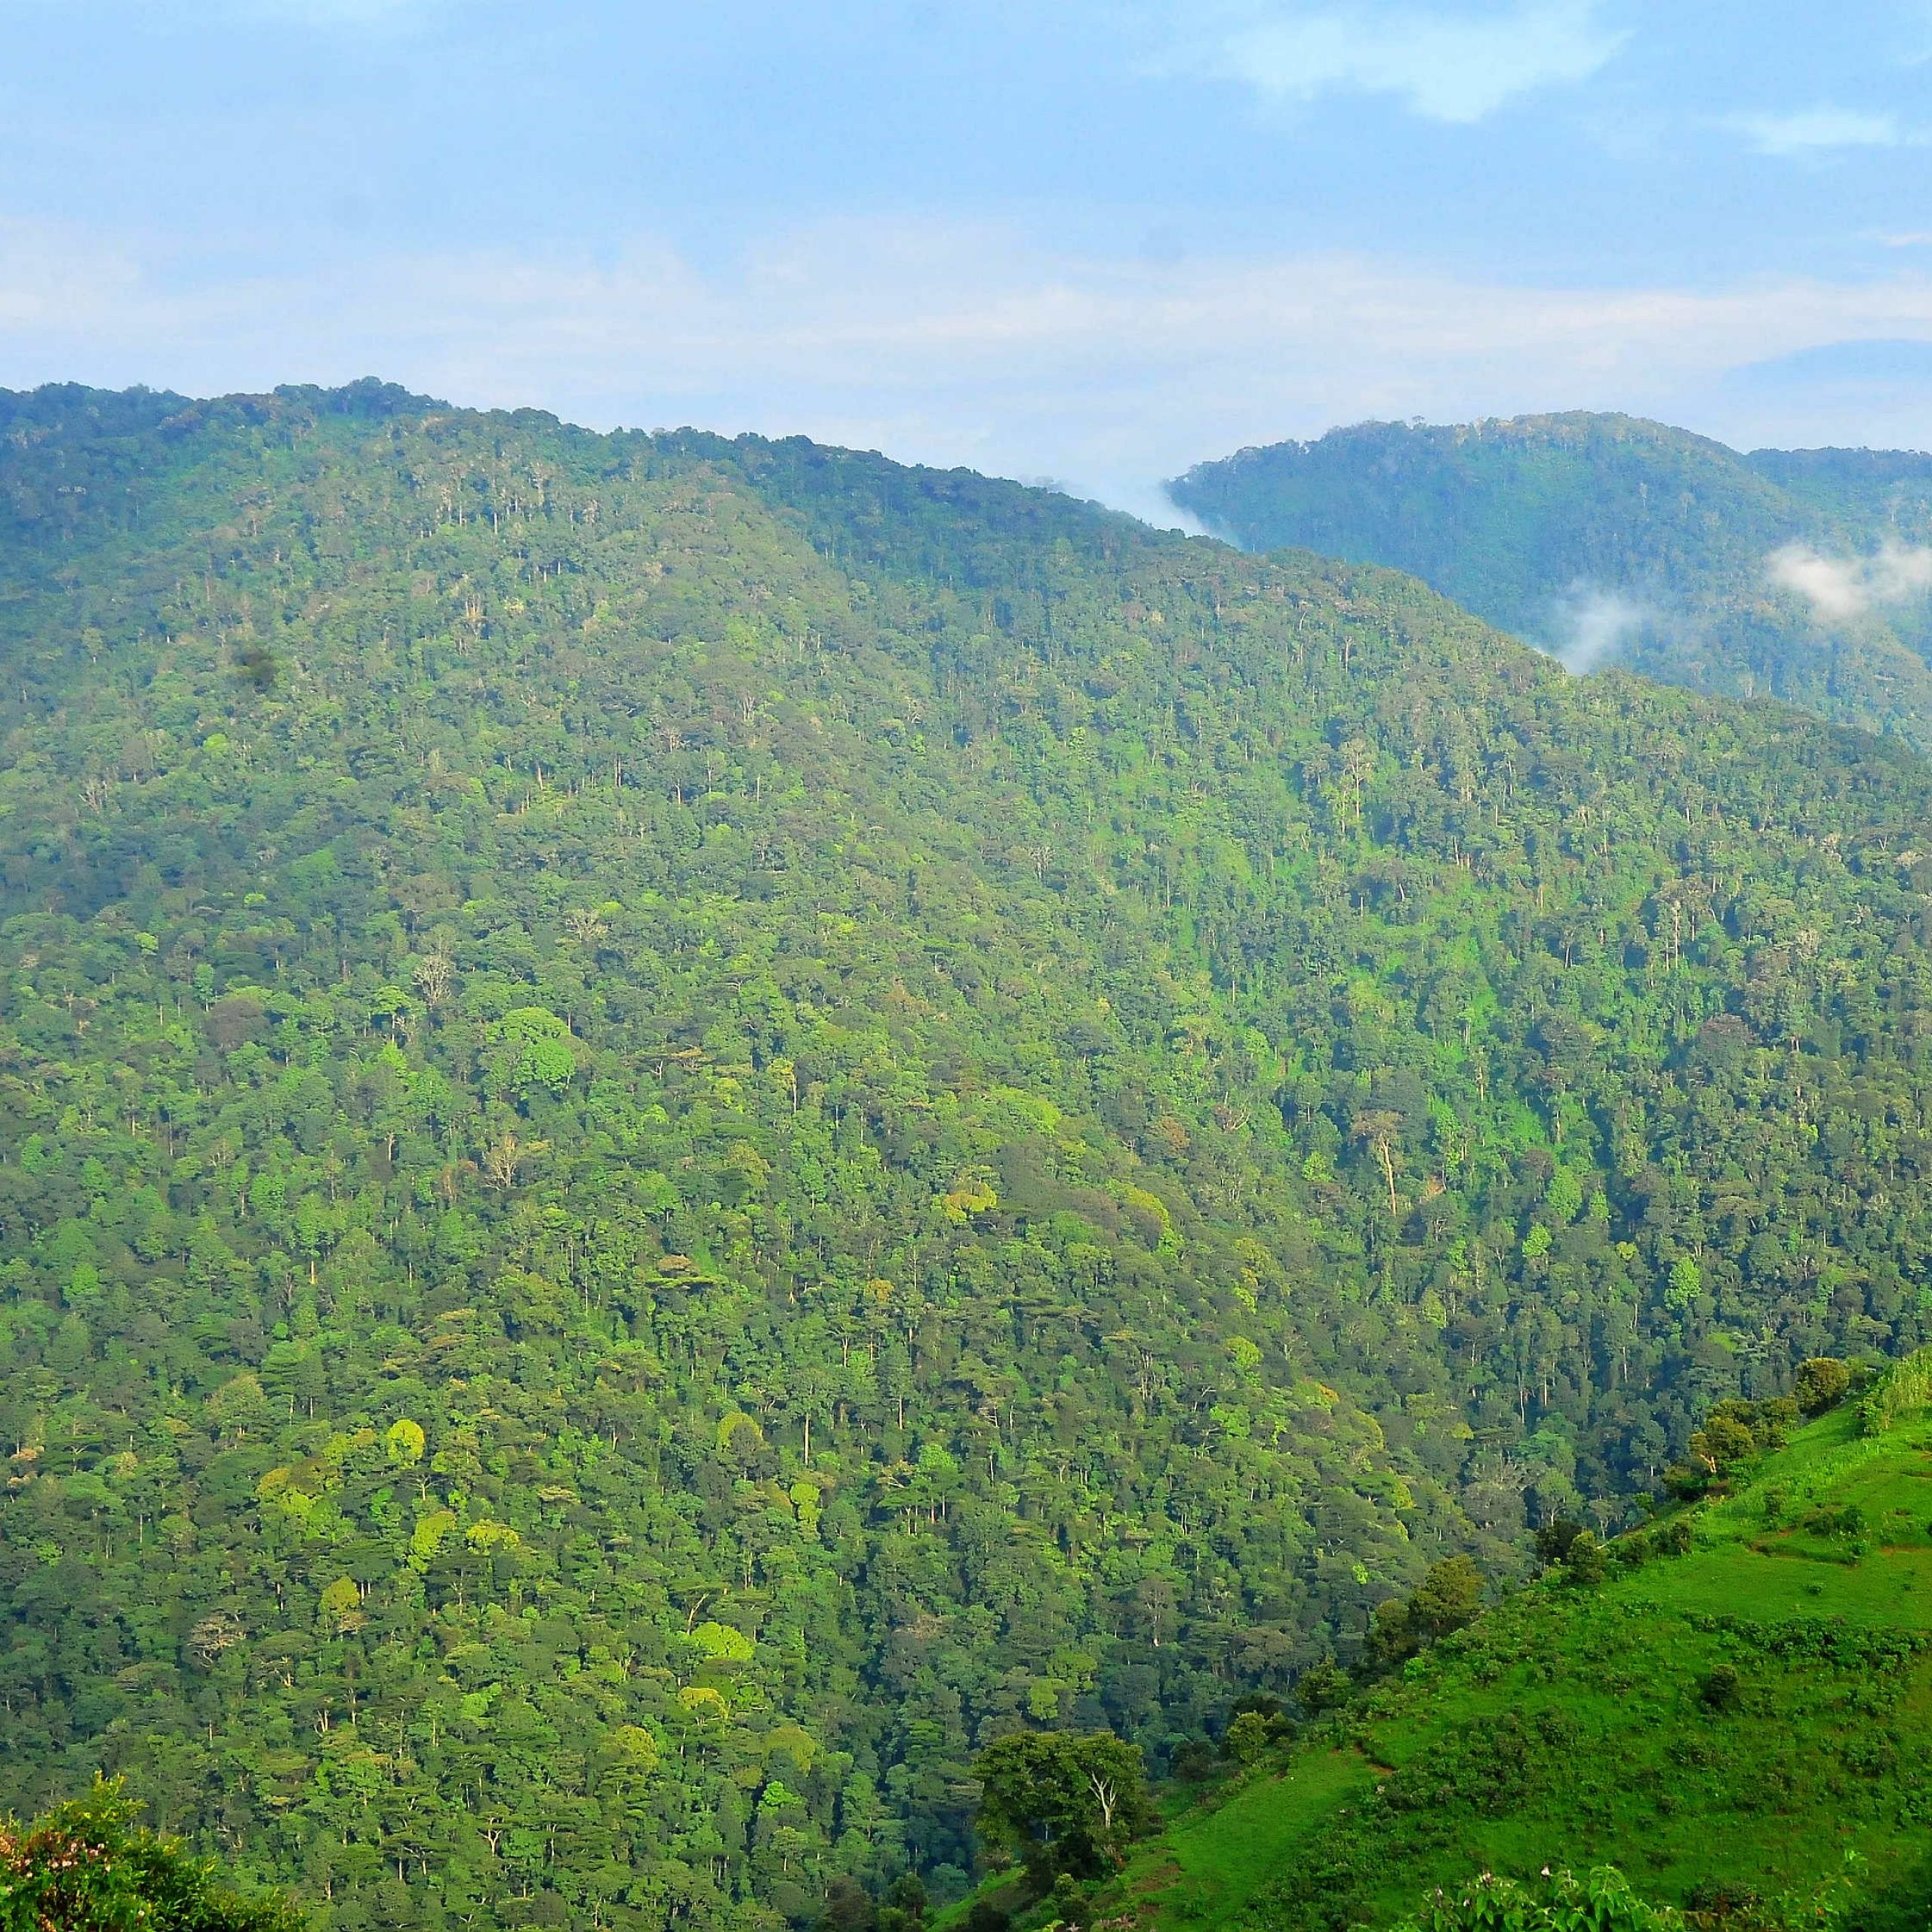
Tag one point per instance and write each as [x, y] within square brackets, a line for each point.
[691, 1126]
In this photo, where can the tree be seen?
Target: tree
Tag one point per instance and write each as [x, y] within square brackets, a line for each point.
[1247, 1737]
[1062, 1802]
[1449, 1596]
[1819, 1383]
[88, 1867]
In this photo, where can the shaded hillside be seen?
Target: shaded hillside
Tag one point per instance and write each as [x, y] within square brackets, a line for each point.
[1609, 538]
[685, 1124]
[1745, 1722]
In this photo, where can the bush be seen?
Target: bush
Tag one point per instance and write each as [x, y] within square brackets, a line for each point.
[1847, 1521]
[88, 1868]
[1323, 1687]
[1907, 1385]
[1247, 1737]
[1721, 1690]
[1820, 1384]
[1584, 1564]
[1555, 1538]
[1559, 1902]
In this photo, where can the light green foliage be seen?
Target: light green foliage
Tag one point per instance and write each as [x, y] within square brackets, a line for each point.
[1601, 1901]
[1905, 1389]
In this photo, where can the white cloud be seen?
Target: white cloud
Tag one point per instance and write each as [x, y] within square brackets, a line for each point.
[940, 342]
[1838, 588]
[1815, 129]
[1593, 625]
[1456, 67]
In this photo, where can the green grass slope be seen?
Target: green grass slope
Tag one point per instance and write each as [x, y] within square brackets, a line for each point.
[1575, 1727]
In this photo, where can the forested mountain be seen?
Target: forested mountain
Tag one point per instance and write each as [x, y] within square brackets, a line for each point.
[1802, 574]
[685, 1125]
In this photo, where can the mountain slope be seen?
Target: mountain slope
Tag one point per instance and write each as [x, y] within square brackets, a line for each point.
[1730, 1723]
[1607, 536]
[688, 1124]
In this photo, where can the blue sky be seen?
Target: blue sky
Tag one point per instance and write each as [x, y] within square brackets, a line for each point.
[1094, 240]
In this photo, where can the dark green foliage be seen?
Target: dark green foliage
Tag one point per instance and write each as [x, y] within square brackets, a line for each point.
[1734, 1434]
[768, 1114]
[1322, 1687]
[905, 1905]
[848, 1908]
[1062, 1803]
[88, 1867]
[1584, 1562]
[1555, 1540]
[1447, 1598]
[1525, 522]
[1721, 1690]
[1819, 1383]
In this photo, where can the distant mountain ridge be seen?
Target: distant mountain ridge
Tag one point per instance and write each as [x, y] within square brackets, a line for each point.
[1796, 574]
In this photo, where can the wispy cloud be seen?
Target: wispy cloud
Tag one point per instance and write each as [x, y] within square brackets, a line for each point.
[1593, 625]
[1838, 588]
[941, 342]
[1454, 66]
[1816, 130]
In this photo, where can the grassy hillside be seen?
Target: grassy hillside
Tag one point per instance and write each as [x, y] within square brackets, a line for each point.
[687, 1124]
[1611, 538]
[1738, 1720]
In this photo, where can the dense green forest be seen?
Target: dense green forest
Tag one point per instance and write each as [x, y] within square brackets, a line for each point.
[1801, 574]
[687, 1125]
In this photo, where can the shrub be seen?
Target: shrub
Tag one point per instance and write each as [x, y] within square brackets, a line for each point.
[1560, 1902]
[1585, 1564]
[1847, 1520]
[88, 1868]
[1820, 1384]
[1721, 1690]
[1247, 1737]
[1323, 1687]
[1555, 1538]
[1906, 1385]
